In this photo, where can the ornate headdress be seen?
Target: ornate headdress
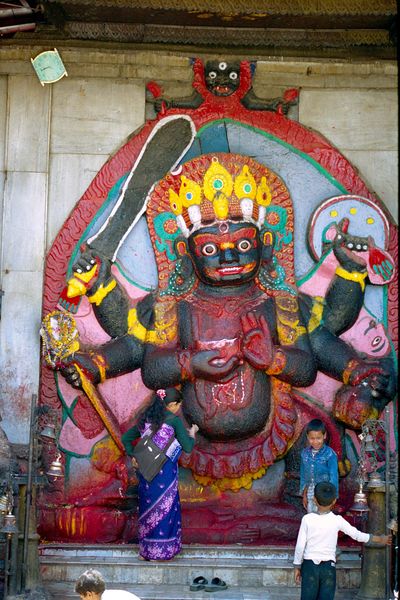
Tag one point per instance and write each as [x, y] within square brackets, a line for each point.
[220, 196]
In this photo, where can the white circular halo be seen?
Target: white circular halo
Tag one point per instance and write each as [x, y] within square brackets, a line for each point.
[365, 219]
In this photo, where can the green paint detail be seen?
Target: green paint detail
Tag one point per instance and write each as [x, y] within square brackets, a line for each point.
[306, 157]
[66, 410]
[130, 280]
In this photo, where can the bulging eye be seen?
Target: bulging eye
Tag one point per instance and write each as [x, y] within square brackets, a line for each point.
[376, 341]
[233, 75]
[209, 249]
[222, 66]
[212, 74]
[243, 245]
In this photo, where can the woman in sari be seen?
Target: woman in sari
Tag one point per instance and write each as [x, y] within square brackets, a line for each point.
[159, 528]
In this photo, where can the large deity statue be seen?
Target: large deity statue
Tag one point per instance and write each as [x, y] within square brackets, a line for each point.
[256, 352]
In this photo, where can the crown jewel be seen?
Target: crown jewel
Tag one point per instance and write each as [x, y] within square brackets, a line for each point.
[220, 197]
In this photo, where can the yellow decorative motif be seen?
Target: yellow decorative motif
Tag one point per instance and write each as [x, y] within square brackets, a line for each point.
[231, 483]
[316, 314]
[190, 192]
[59, 336]
[227, 195]
[165, 322]
[175, 203]
[353, 276]
[216, 180]
[370, 220]
[164, 331]
[102, 292]
[100, 363]
[221, 206]
[263, 195]
[76, 285]
[135, 327]
[288, 320]
[245, 185]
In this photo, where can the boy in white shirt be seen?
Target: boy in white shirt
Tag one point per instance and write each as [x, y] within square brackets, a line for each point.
[315, 552]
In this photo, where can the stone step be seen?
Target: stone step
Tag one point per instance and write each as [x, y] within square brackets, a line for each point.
[64, 591]
[248, 566]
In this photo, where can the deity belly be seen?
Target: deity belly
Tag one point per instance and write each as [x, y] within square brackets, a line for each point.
[231, 410]
[238, 406]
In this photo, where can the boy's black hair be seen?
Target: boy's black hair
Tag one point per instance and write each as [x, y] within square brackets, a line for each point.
[316, 425]
[325, 493]
[90, 581]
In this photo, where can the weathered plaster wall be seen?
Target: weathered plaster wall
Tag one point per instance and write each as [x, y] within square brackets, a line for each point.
[54, 139]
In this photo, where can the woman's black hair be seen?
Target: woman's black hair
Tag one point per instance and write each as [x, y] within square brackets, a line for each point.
[155, 413]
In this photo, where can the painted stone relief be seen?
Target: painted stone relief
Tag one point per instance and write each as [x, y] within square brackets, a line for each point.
[228, 250]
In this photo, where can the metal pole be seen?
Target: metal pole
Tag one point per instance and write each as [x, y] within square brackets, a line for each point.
[387, 501]
[372, 582]
[6, 566]
[28, 498]
[13, 570]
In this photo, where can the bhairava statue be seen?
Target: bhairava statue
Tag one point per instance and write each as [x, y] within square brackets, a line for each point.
[226, 322]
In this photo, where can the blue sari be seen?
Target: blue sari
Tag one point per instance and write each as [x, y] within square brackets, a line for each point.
[159, 507]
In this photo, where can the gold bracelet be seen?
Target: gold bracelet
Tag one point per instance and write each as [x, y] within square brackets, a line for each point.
[101, 364]
[278, 363]
[351, 365]
[102, 292]
[353, 276]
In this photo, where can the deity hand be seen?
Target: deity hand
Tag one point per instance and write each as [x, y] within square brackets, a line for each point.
[207, 364]
[161, 104]
[86, 363]
[257, 347]
[378, 378]
[91, 271]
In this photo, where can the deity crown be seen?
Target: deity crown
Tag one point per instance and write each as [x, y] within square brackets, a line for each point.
[220, 197]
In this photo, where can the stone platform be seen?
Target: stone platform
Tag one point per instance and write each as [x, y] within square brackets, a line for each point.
[252, 573]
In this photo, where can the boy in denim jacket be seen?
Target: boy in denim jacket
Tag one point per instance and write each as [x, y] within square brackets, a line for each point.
[318, 463]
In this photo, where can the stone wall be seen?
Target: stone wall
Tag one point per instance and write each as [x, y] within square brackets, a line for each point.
[54, 139]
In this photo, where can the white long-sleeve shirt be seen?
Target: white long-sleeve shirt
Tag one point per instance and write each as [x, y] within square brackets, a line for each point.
[318, 534]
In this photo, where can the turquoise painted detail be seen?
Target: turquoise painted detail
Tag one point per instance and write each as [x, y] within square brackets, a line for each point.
[282, 235]
[165, 240]
[276, 282]
[129, 279]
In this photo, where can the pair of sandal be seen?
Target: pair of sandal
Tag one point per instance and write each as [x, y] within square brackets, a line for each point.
[201, 583]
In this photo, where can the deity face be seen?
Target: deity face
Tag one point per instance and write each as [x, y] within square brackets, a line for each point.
[222, 78]
[226, 254]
